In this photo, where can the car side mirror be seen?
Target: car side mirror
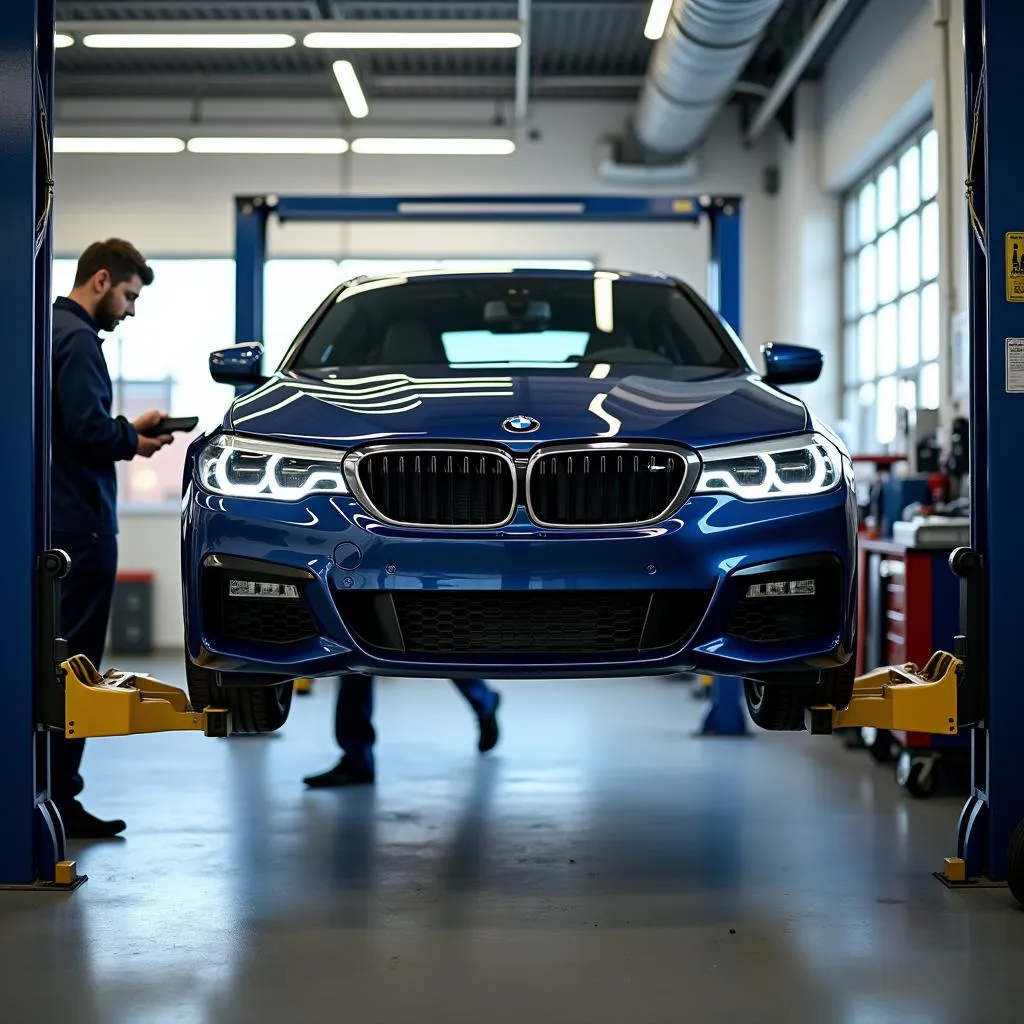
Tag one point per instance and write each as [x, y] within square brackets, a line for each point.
[240, 364]
[791, 364]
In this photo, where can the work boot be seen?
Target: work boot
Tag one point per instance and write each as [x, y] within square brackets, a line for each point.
[342, 774]
[489, 731]
[80, 824]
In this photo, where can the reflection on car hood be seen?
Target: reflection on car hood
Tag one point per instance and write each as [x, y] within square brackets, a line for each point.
[473, 405]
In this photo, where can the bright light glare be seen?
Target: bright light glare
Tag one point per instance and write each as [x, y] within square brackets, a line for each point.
[434, 147]
[657, 18]
[117, 145]
[61, 41]
[604, 309]
[351, 90]
[189, 41]
[269, 146]
[412, 40]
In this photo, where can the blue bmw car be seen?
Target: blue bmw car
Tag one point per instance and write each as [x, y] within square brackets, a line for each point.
[518, 474]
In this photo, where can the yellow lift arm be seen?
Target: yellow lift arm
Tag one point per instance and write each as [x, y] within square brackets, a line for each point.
[901, 697]
[126, 703]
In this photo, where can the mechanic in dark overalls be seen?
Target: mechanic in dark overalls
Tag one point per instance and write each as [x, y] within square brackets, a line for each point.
[87, 443]
[353, 727]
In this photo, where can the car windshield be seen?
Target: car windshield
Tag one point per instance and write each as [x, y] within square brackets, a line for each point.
[512, 321]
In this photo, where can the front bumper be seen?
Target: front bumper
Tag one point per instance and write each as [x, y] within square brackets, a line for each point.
[677, 586]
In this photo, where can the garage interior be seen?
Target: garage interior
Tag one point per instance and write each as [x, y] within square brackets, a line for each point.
[634, 848]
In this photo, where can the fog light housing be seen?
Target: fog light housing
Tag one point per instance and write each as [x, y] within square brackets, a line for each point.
[253, 588]
[783, 588]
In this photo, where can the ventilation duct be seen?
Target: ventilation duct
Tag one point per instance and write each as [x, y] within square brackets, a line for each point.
[693, 69]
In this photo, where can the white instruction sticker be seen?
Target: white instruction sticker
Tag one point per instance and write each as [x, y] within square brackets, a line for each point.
[1015, 365]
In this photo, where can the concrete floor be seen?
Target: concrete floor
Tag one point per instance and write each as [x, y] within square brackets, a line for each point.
[602, 866]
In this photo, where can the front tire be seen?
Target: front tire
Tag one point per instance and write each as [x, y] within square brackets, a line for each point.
[775, 708]
[254, 709]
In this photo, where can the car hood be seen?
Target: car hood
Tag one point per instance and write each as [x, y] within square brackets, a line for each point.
[473, 405]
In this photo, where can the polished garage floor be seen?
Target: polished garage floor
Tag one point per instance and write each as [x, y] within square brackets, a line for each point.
[603, 866]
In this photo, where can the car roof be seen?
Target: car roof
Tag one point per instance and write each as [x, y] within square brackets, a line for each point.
[512, 273]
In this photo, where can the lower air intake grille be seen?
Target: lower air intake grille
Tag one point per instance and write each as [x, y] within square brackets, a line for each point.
[279, 621]
[592, 487]
[531, 622]
[770, 619]
[430, 487]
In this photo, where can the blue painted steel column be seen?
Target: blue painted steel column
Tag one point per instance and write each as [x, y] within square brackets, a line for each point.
[994, 34]
[726, 263]
[24, 298]
[250, 258]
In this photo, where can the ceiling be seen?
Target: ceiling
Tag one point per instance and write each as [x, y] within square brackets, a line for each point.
[578, 49]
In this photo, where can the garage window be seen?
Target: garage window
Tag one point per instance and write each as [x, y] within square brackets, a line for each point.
[891, 295]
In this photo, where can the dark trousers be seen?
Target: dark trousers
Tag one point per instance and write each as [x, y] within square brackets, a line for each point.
[353, 714]
[85, 599]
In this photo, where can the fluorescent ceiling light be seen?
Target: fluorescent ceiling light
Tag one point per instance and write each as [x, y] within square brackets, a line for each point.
[434, 147]
[269, 146]
[117, 145]
[189, 41]
[351, 90]
[62, 41]
[412, 40]
[657, 18]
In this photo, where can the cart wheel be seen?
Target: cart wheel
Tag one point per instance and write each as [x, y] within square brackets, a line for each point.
[919, 776]
[879, 744]
[1015, 864]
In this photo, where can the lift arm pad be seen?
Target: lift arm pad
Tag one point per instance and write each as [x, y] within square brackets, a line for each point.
[901, 697]
[124, 703]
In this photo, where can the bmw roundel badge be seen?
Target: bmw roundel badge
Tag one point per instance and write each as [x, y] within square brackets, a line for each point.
[521, 424]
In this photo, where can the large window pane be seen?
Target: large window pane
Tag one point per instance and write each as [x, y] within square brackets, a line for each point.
[908, 394]
[866, 348]
[888, 198]
[867, 278]
[930, 165]
[292, 291]
[930, 241]
[910, 180]
[867, 216]
[930, 392]
[851, 302]
[887, 340]
[930, 330]
[886, 411]
[910, 253]
[851, 233]
[910, 330]
[888, 267]
[851, 355]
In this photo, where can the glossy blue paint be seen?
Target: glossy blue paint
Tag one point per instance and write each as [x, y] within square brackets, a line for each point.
[791, 364]
[725, 267]
[250, 257]
[993, 35]
[28, 850]
[240, 364]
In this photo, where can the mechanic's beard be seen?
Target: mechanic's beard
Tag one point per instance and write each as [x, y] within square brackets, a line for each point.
[106, 317]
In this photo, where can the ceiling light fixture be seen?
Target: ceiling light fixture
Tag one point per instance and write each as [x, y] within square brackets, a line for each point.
[117, 145]
[189, 41]
[413, 40]
[269, 146]
[351, 90]
[61, 41]
[657, 18]
[433, 147]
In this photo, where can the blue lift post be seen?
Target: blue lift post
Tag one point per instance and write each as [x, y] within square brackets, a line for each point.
[993, 37]
[724, 715]
[32, 840]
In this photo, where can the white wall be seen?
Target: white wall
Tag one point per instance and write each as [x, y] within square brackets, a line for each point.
[182, 205]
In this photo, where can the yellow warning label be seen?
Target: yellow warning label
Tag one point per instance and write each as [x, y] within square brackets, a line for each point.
[686, 206]
[1015, 266]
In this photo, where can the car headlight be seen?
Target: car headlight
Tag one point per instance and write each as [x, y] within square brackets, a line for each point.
[786, 467]
[247, 467]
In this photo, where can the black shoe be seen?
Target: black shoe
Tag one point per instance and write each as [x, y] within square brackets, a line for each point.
[80, 824]
[340, 775]
[489, 731]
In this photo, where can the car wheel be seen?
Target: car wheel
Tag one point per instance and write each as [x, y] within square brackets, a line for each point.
[1015, 864]
[254, 709]
[836, 685]
[775, 708]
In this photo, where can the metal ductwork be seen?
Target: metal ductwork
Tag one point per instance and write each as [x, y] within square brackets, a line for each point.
[693, 69]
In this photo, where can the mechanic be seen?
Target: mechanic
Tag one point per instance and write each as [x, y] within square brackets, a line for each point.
[87, 441]
[353, 727]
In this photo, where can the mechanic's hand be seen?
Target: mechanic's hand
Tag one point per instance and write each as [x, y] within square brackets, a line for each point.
[148, 446]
